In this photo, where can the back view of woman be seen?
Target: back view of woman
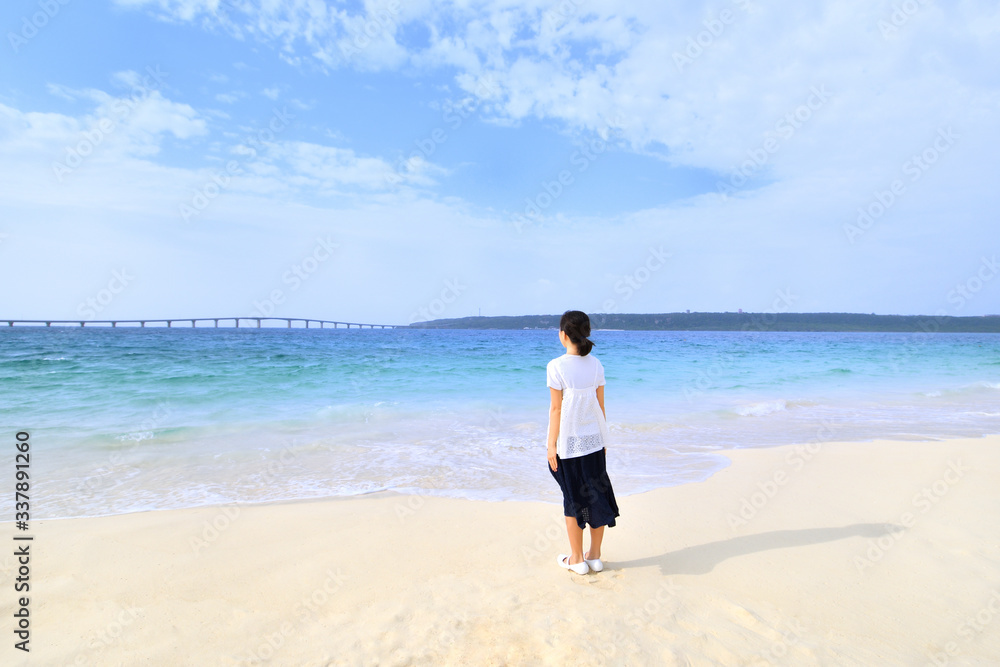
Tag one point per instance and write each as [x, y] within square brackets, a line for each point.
[577, 442]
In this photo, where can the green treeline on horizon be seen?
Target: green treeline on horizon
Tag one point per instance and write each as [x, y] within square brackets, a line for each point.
[736, 322]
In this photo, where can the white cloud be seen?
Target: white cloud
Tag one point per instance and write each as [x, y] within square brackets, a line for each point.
[271, 93]
[74, 159]
[596, 62]
[229, 98]
[332, 170]
[300, 28]
[114, 126]
[706, 85]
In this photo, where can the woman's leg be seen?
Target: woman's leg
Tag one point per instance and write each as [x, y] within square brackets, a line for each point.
[596, 537]
[575, 540]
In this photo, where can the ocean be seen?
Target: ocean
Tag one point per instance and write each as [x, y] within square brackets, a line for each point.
[125, 420]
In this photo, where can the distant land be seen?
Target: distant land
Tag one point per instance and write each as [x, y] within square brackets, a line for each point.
[736, 322]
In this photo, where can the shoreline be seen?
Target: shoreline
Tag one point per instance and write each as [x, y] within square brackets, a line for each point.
[853, 553]
[916, 438]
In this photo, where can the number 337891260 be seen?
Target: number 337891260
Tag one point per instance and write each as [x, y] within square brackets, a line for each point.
[22, 463]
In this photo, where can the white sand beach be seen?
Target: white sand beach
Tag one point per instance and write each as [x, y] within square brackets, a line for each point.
[873, 553]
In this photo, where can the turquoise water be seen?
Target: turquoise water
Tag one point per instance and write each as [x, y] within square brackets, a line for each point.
[126, 420]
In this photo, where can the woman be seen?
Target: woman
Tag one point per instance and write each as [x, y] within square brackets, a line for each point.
[577, 443]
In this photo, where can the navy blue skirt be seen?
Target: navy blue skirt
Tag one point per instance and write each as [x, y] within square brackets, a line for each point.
[586, 489]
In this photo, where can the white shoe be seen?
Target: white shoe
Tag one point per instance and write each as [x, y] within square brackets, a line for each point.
[594, 564]
[579, 568]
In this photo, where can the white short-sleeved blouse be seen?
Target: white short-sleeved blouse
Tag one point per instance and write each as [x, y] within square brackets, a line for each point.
[582, 427]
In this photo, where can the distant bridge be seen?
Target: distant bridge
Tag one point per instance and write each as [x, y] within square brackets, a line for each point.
[182, 321]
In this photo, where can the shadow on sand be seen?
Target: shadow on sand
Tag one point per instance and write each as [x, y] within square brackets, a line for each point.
[703, 558]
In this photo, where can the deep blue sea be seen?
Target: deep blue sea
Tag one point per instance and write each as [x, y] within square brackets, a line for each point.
[125, 420]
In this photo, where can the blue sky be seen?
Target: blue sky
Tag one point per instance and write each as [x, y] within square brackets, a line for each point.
[386, 161]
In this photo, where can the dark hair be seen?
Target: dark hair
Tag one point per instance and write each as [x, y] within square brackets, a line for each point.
[576, 325]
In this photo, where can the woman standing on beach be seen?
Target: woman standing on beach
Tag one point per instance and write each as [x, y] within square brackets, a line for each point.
[577, 442]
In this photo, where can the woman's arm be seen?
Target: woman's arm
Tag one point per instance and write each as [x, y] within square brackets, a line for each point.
[555, 413]
[600, 399]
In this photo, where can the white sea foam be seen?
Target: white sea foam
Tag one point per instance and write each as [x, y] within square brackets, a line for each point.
[981, 387]
[762, 408]
[136, 437]
[436, 413]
